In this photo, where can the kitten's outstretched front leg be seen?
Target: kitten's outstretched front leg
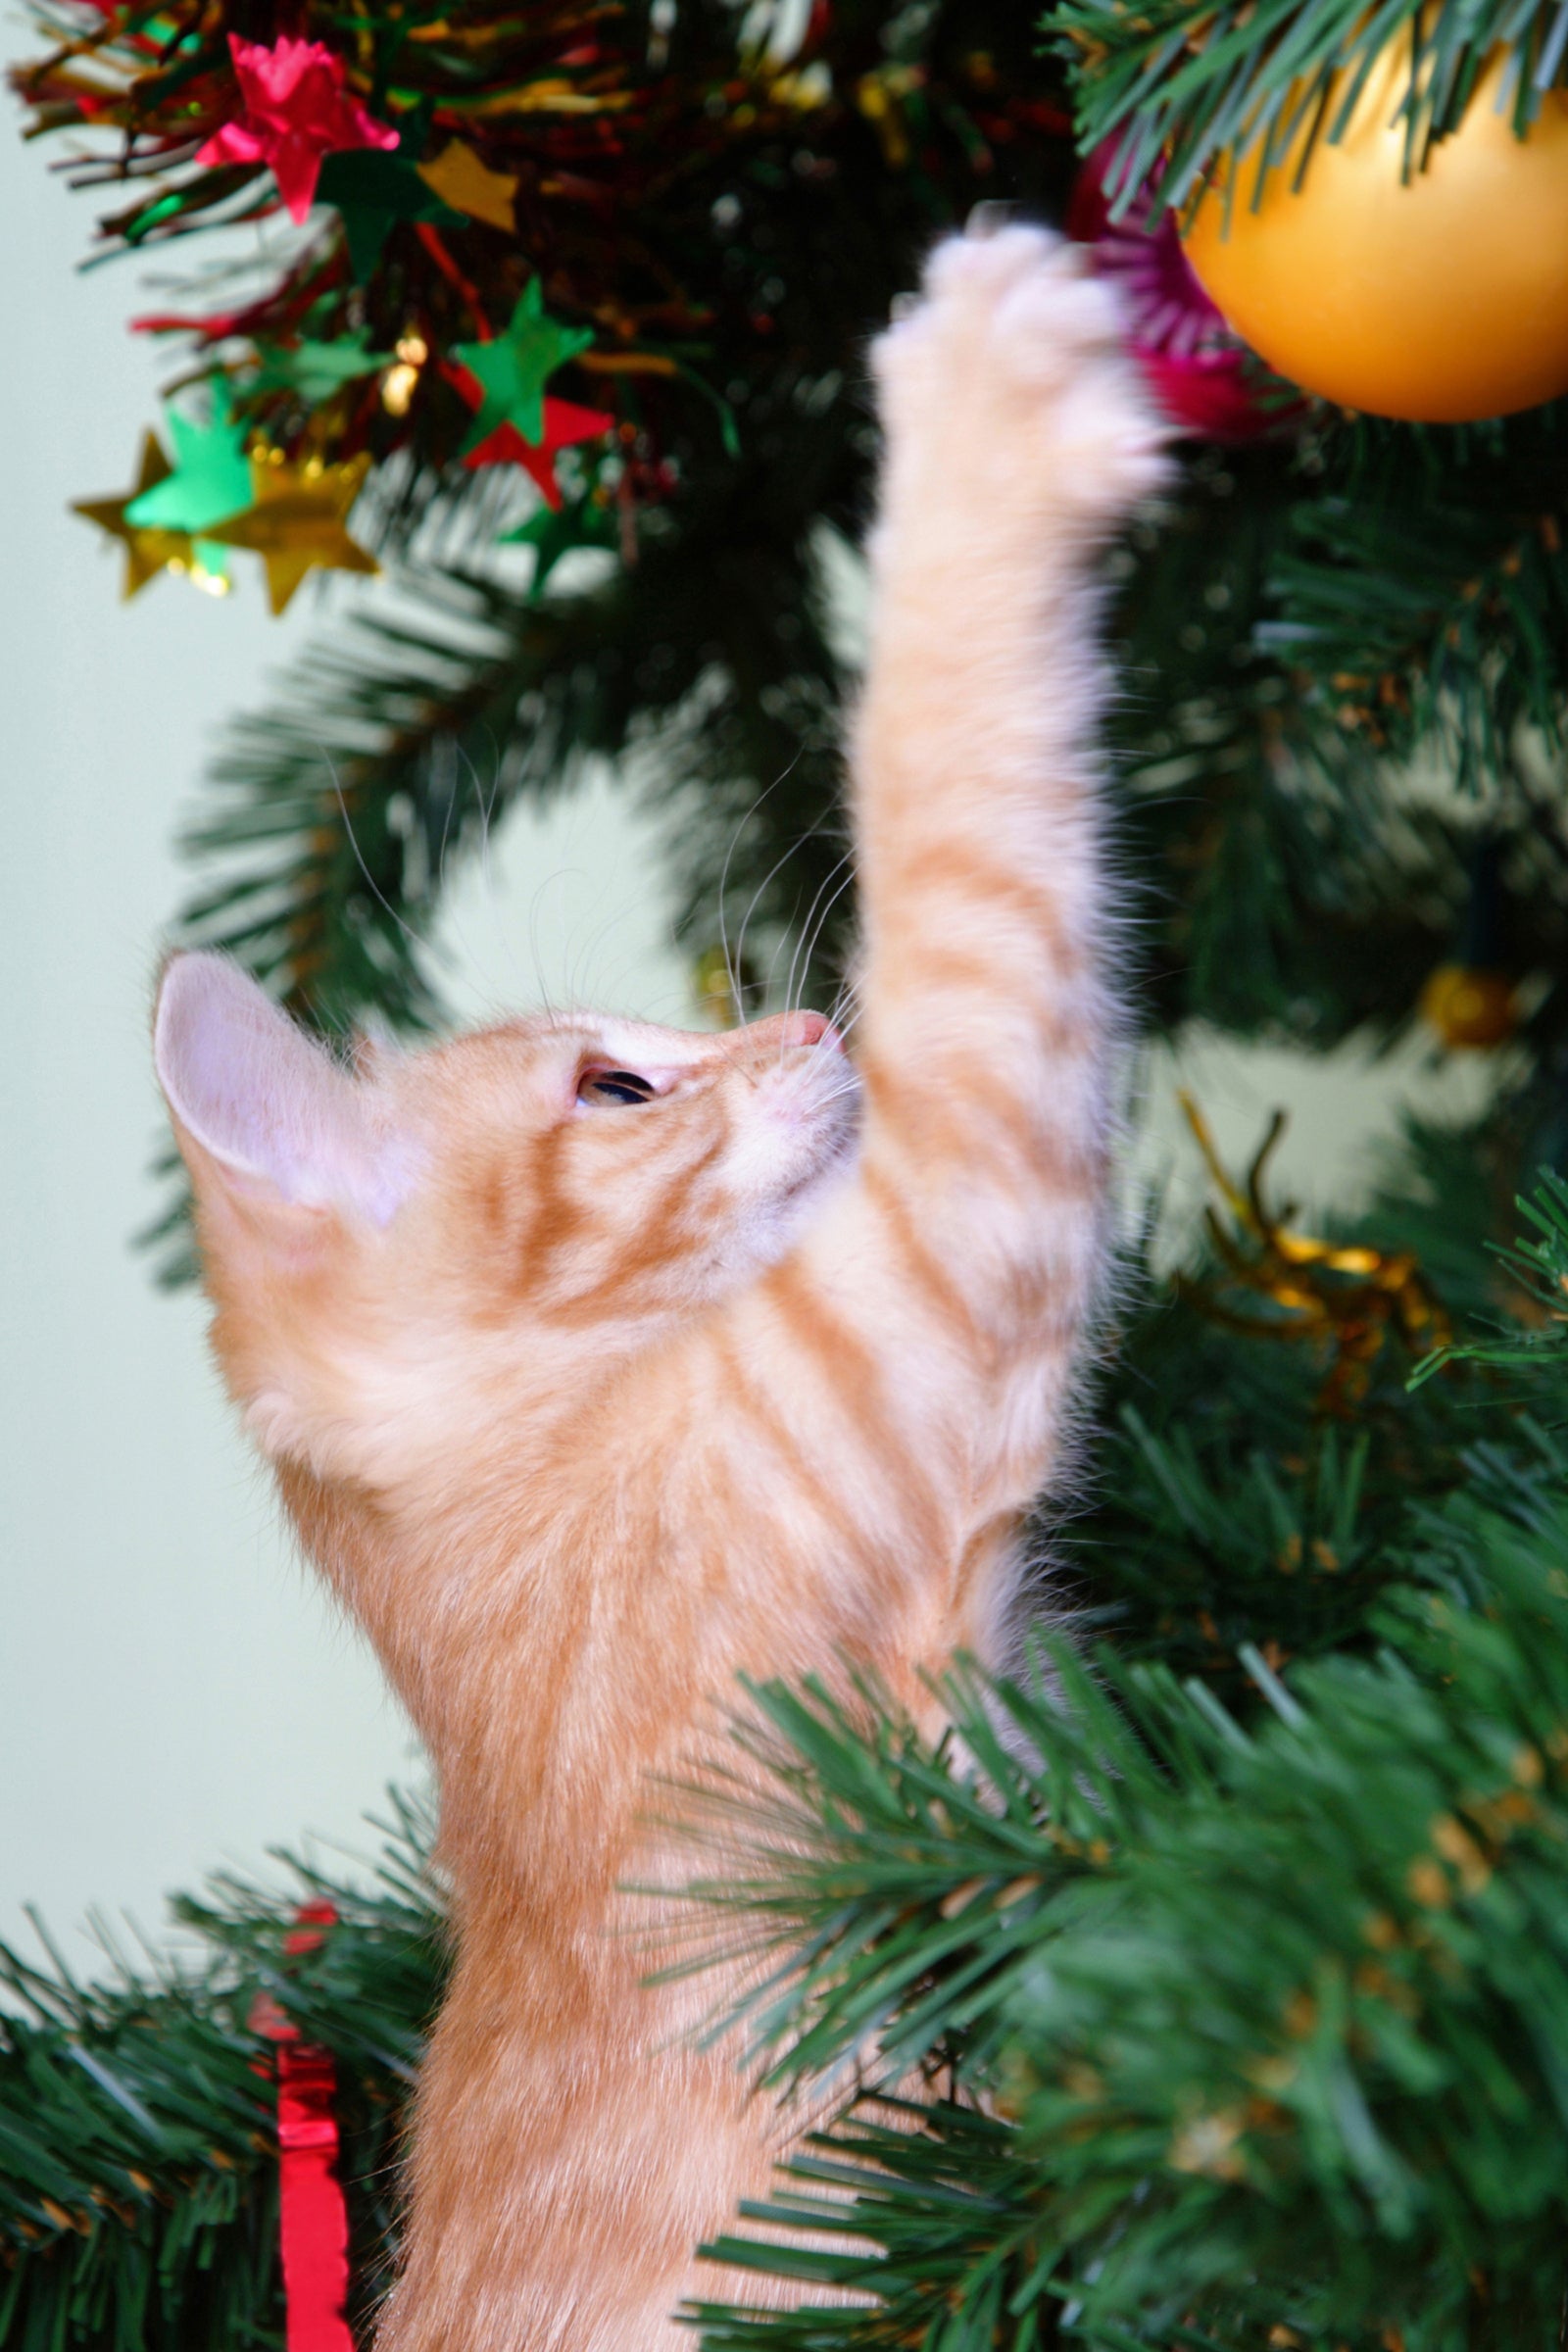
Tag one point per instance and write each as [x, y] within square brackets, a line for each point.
[1019, 434]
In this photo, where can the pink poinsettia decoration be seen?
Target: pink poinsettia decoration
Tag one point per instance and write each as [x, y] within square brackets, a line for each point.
[1203, 376]
[295, 110]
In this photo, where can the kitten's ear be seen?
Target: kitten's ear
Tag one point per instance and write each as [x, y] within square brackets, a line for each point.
[261, 1099]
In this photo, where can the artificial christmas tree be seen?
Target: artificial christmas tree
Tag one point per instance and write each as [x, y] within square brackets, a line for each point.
[1238, 1968]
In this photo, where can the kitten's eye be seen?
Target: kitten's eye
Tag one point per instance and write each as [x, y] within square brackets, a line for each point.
[613, 1086]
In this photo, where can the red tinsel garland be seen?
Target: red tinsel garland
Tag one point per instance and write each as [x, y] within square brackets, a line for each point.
[313, 2221]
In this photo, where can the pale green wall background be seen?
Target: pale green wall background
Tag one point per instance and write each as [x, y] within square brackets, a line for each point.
[175, 1694]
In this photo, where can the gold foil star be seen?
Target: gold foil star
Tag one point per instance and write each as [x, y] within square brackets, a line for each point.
[296, 520]
[460, 178]
[148, 549]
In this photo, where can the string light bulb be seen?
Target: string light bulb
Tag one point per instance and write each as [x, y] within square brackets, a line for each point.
[402, 381]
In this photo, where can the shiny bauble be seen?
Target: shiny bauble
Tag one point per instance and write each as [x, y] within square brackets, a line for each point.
[1437, 298]
[1470, 1006]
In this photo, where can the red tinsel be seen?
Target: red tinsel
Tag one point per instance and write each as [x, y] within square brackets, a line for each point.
[296, 110]
[314, 2220]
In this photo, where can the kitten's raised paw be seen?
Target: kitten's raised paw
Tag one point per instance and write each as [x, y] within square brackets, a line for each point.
[1009, 373]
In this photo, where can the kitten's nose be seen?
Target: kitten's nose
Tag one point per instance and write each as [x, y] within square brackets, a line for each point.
[809, 1029]
[795, 1029]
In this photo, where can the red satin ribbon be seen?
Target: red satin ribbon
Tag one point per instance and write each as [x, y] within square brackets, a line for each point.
[315, 2226]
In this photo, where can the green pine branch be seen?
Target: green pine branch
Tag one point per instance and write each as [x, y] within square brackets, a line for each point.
[1178, 82]
[139, 2156]
[1422, 595]
[1295, 624]
[1289, 2055]
[850, 1879]
[1247, 1493]
[1286, 893]
[1536, 1263]
[932, 2218]
[1252, 2057]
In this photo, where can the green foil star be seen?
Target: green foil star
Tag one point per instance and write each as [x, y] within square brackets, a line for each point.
[553, 534]
[212, 475]
[316, 370]
[373, 193]
[513, 369]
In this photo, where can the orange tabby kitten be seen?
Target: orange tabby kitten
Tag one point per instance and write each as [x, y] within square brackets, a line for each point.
[599, 1362]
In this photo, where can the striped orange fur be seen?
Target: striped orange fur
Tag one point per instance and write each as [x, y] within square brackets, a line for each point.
[587, 1390]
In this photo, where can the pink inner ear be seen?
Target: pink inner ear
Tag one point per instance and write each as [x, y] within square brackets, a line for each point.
[255, 1092]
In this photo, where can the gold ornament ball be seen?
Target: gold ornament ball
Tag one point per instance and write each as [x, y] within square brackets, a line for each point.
[1437, 298]
[1469, 1007]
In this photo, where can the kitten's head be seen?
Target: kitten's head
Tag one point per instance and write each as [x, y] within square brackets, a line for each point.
[483, 1225]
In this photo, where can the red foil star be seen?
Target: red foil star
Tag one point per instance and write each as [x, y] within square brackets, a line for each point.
[566, 423]
[295, 111]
